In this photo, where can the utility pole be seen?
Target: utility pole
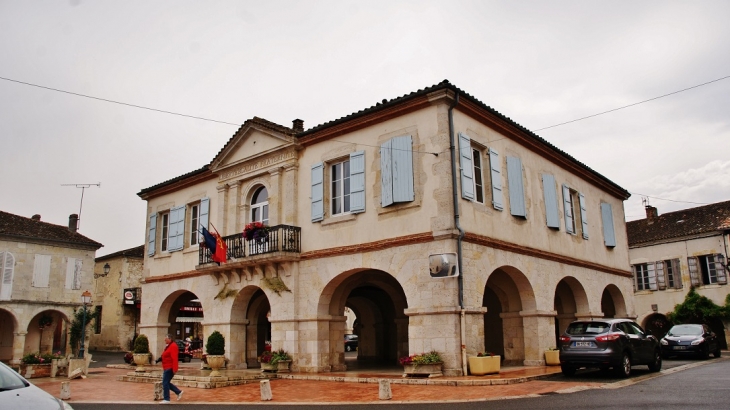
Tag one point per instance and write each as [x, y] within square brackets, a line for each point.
[83, 187]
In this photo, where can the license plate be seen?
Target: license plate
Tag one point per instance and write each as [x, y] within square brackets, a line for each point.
[583, 344]
[680, 347]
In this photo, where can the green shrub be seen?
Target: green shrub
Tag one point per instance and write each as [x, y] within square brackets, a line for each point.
[141, 344]
[216, 344]
[278, 356]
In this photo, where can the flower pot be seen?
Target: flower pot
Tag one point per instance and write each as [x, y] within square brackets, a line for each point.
[552, 357]
[282, 366]
[30, 371]
[268, 367]
[481, 365]
[422, 370]
[141, 359]
[215, 362]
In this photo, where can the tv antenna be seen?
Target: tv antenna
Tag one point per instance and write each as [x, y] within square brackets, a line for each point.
[83, 187]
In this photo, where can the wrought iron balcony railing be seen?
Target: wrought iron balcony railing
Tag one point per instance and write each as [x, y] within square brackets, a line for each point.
[281, 238]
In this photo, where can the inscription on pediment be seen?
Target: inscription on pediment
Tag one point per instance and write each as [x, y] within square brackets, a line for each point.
[256, 165]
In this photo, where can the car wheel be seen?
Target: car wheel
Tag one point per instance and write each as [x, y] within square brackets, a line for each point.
[567, 370]
[624, 369]
[656, 365]
[348, 348]
[717, 353]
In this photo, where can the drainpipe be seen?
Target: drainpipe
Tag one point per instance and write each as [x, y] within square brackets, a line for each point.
[460, 278]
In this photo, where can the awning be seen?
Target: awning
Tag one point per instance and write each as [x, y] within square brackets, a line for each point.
[182, 319]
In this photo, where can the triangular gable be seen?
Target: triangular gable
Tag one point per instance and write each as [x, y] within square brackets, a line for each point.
[255, 137]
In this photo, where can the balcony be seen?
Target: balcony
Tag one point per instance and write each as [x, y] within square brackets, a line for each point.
[281, 238]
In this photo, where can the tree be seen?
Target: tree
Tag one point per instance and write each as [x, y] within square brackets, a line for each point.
[699, 309]
[76, 326]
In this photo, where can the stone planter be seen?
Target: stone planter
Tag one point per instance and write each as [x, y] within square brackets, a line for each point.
[479, 366]
[31, 371]
[215, 362]
[552, 357]
[282, 366]
[268, 367]
[141, 359]
[422, 370]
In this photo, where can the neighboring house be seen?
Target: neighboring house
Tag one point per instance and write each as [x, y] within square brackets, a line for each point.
[676, 251]
[357, 206]
[117, 299]
[45, 269]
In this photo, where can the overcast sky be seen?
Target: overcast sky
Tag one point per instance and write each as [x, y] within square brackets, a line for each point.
[539, 63]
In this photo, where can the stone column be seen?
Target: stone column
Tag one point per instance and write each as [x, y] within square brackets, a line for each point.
[436, 329]
[236, 346]
[539, 331]
[222, 221]
[289, 195]
[275, 197]
[234, 201]
[18, 347]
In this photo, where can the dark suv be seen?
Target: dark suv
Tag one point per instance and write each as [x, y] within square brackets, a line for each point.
[608, 343]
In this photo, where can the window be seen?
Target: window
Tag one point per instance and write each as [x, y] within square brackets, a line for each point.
[346, 186]
[668, 274]
[609, 234]
[194, 221]
[165, 231]
[573, 202]
[478, 176]
[73, 273]
[260, 206]
[7, 266]
[706, 270]
[97, 323]
[550, 194]
[517, 205]
[645, 276]
[41, 271]
[340, 188]
[396, 171]
[152, 235]
[472, 170]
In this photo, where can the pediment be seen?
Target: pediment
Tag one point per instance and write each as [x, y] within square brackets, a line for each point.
[255, 138]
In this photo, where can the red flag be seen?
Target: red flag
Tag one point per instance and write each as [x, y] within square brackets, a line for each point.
[220, 250]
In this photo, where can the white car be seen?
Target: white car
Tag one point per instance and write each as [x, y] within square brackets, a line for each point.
[18, 393]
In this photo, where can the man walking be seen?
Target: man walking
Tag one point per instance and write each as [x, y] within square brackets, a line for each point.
[169, 367]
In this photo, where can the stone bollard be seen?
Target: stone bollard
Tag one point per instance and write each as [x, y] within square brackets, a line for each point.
[384, 392]
[265, 390]
[158, 391]
[65, 390]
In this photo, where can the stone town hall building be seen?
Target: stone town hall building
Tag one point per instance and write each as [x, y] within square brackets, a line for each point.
[355, 208]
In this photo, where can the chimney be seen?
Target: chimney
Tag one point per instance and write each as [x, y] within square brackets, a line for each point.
[651, 214]
[298, 125]
[73, 222]
[36, 217]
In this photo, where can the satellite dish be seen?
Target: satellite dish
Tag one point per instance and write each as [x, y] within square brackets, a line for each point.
[443, 265]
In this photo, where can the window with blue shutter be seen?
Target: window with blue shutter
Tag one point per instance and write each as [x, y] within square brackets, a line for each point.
[609, 235]
[568, 207]
[516, 187]
[317, 192]
[177, 228]
[152, 235]
[583, 215]
[467, 168]
[396, 171]
[357, 182]
[204, 212]
[552, 212]
[496, 175]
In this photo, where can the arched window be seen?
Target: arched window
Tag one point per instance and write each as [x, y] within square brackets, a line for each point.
[7, 264]
[260, 206]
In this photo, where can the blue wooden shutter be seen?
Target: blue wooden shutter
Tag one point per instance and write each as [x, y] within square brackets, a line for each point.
[496, 175]
[357, 182]
[152, 235]
[386, 173]
[583, 214]
[609, 235]
[317, 192]
[552, 213]
[467, 167]
[177, 228]
[204, 212]
[402, 155]
[516, 187]
[568, 207]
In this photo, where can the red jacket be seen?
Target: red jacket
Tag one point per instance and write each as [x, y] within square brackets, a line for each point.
[169, 357]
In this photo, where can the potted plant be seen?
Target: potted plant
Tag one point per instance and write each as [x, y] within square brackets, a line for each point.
[255, 231]
[484, 363]
[281, 360]
[265, 360]
[552, 357]
[422, 365]
[35, 365]
[141, 352]
[215, 348]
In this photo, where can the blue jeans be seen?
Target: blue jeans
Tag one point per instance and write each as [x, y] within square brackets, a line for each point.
[167, 386]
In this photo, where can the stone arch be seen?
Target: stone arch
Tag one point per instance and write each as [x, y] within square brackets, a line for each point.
[169, 314]
[613, 303]
[48, 338]
[379, 302]
[504, 321]
[8, 328]
[570, 302]
[657, 324]
[250, 326]
[247, 194]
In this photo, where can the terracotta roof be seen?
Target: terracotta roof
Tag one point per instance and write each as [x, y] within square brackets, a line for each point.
[136, 252]
[199, 171]
[694, 221]
[20, 228]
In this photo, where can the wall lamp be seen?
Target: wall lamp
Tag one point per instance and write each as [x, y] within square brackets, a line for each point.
[107, 268]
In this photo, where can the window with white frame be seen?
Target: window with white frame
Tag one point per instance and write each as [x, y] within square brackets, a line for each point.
[706, 270]
[576, 218]
[340, 188]
[73, 273]
[669, 274]
[476, 157]
[645, 276]
[164, 231]
[260, 206]
[194, 224]
[41, 271]
[472, 169]
[346, 182]
[7, 264]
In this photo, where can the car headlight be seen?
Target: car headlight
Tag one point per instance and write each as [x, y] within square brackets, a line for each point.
[697, 341]
[664, 342]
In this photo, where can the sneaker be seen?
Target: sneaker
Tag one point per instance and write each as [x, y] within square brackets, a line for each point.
[165, 402]
[179, 395]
